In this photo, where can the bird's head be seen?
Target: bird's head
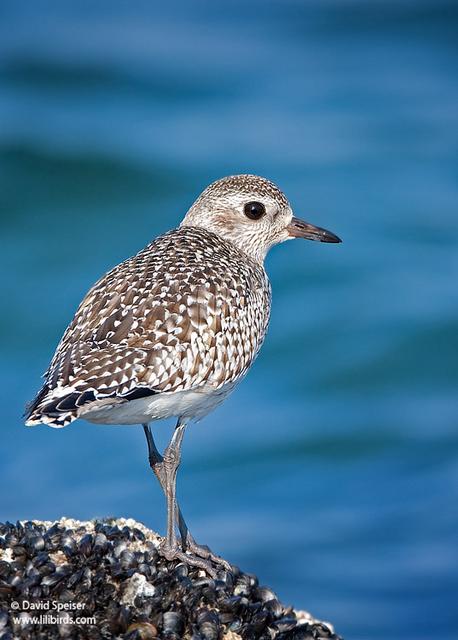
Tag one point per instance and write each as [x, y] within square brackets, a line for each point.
[251, 212]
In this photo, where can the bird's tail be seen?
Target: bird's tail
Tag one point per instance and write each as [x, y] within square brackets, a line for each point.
[48, 409]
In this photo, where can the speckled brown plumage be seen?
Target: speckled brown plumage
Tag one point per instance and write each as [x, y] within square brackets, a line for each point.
[188, 310]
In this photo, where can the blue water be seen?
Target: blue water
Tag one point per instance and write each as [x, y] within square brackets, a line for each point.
[332, 472]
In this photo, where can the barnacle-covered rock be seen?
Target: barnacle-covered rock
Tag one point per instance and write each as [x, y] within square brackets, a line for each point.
[106, 579]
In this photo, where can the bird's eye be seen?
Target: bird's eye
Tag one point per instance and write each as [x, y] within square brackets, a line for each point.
[254, 210]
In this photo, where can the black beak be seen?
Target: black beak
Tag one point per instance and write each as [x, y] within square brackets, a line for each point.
[299, 229]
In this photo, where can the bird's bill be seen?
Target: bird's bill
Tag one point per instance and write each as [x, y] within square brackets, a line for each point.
[300, 229]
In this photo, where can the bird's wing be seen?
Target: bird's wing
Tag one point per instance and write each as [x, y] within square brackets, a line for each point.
[149, 327]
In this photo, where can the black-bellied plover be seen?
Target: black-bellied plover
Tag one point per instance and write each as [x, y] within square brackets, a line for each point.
[171, 331]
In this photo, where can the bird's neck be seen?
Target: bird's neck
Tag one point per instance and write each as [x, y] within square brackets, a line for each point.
[247, 244]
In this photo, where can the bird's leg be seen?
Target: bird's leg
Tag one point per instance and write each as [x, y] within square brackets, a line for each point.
[165, 469]
[156, 462]
[172, 459]
[154, 457]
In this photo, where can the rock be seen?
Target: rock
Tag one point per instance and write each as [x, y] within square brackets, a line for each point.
[137, 585]
[107, 579]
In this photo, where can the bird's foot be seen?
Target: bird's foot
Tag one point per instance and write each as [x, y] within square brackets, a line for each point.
[191, 559]
[202, 551]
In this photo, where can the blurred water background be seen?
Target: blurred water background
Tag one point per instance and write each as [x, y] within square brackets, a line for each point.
[332, 472]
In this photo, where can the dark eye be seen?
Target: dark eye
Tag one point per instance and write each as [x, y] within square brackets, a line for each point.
[254, 210]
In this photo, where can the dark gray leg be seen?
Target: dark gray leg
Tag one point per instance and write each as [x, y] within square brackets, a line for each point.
[165, 468]
[156, 464]
[172, 459]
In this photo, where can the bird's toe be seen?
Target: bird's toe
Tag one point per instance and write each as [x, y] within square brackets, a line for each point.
[202, 551]
[189, 558]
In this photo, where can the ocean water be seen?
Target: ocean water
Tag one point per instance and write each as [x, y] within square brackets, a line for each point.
[332, 471]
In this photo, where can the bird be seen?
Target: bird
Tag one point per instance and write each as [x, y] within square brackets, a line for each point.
[171, 331]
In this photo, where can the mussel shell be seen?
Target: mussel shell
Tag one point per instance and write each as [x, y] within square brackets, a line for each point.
[173, 621]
